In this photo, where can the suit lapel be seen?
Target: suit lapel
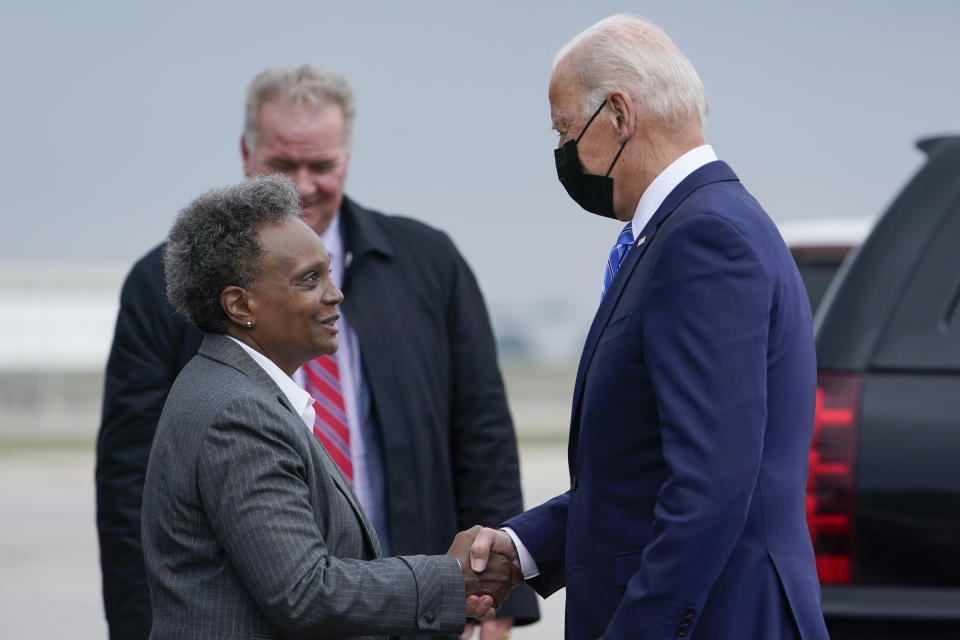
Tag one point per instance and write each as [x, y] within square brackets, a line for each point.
[223, 349]
[344, 486]
[361, 235]
[716, 171]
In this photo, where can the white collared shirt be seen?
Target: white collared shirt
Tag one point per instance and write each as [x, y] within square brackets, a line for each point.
[348, 364]
[667, 181]
[299, 399]
[650, 201]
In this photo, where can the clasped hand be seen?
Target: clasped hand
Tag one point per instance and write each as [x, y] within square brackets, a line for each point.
[490, 584]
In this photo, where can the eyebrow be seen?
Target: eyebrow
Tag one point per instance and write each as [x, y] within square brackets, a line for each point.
[300, 269]
[315, 265]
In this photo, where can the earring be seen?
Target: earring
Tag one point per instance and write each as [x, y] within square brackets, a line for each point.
[249, 325]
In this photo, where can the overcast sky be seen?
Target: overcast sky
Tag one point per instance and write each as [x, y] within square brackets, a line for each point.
[115, 114]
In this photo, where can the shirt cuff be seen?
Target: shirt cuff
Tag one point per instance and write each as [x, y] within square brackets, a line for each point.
[528, 565]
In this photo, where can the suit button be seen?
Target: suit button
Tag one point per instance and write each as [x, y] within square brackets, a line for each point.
[689, 612]
[682, 631]
[430, 617]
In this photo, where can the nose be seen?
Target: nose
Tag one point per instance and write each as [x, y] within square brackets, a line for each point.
[332, 295]
[304, 181]
[325, 184]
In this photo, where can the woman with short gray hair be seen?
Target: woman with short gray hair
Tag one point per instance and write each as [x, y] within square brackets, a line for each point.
[213, 244]
[249, 527]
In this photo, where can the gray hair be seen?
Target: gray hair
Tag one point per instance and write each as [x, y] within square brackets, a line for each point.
[626, 53]
[307, 86]
[214, 244]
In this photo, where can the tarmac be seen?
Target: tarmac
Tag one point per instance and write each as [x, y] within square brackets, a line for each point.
[49, 559]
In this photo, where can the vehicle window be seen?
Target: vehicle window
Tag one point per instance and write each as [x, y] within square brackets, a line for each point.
[924, 329]
[816, 271]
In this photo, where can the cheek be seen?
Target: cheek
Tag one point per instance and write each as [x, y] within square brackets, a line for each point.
[252, 168]
[332, 181]
[310, 306]
[591, 163]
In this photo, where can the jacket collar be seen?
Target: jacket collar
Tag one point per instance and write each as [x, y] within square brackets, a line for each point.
[362, 232]
[224, 350]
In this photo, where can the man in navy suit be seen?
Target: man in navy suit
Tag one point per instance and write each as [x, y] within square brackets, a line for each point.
[693, 404]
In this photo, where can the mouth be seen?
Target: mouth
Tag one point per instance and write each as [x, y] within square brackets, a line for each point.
[313, 202]
[331, 322]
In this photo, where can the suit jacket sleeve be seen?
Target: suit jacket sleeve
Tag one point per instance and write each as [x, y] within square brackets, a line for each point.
[543, 531]
[151, 344]
[705, 346]
[486, 468]
[252, 482]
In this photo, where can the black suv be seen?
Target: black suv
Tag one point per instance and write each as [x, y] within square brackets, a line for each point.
[820, 245]
[883, 499]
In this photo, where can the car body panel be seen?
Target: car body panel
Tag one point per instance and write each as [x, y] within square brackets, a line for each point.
[892, 317]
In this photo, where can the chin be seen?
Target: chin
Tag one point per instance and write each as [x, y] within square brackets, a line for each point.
[329, 348]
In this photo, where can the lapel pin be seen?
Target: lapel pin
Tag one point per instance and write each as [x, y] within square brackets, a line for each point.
[641, 240]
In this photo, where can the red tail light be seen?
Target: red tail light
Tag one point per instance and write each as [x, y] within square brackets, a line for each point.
[830, 484]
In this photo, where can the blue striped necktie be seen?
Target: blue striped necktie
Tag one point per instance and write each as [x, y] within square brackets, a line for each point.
[617, 254]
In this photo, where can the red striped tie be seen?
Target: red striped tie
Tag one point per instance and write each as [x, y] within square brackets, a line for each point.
[323, 383]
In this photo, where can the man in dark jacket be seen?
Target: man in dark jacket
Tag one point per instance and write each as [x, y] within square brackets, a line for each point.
[431, 448]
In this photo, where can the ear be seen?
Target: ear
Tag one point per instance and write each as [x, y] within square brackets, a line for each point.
[236, 303]
[624, 110]
[245, 154]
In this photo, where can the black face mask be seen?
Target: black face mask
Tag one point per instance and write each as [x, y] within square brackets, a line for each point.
[592, 192]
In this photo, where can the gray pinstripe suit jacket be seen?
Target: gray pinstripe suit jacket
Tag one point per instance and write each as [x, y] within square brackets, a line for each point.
[250, 530]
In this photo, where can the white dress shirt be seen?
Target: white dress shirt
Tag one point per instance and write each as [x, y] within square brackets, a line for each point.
[667, 181]
[650, 201]
[299, 399]
[348, 363]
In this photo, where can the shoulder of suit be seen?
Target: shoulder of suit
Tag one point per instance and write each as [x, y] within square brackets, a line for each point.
[149, 264]
[747, 228]
[405, 230]
[224, 385]
[145, 288]
[211, 397]
[728, 201]
[146, 275]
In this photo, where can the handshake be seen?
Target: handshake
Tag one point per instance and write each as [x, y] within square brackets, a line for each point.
[491, 568]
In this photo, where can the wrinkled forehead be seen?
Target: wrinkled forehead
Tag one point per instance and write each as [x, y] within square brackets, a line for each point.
[565, 94]
[297, 126]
